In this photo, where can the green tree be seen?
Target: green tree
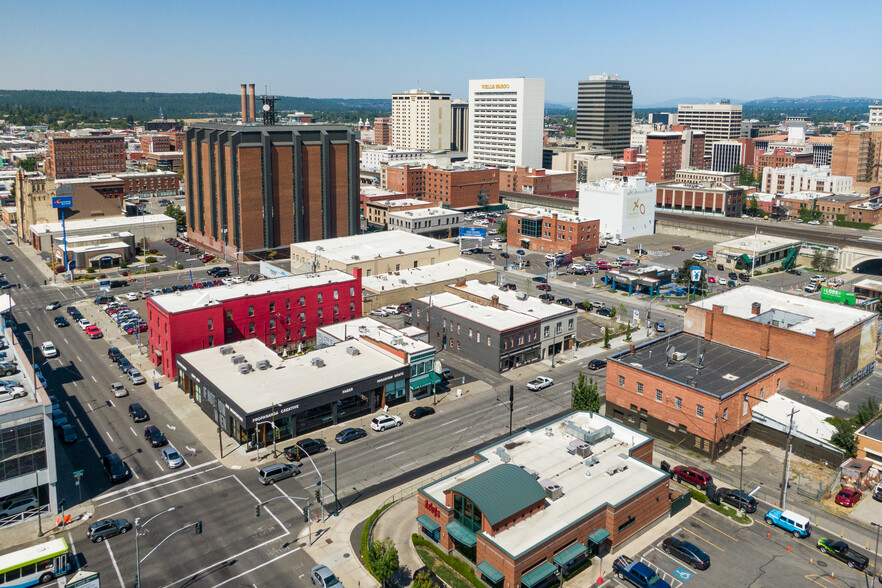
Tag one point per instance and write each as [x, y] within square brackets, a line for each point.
[175, 211]
[745, 177]
[829, 261]
[502, 227]
[606, 337]
[29, 165]
[866, 412]
[684, 277]
[585, 395]
[844, 438]
[817, 260]
[628, 332]
[422, 579]
[382, 559]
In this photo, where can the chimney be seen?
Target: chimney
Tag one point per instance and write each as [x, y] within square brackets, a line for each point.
[251, 105]
[244, 104]
[494, 301]
[632, 347]
[755, 308]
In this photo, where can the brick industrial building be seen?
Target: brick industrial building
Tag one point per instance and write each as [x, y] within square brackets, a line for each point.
[667, 152]
[538, 181]
[704, 197]
[82, 156]
[857, 155]
[251, 189]
[282, 313]
[631, 164]
[383, 130]
[452, 187]
[540, 230]
[778, 158]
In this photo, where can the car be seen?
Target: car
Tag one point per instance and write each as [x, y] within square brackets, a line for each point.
[877, 492]
[349, 434]
[71, 310]
[107, 528]
[604, 311]
[540, 279]
[816, 279]
[586, 256]
[115, 468]
[405, 307]
[114, 354]
[694, 476]
[61, 322]
[131, 296]
[564, 301]
[9, 241]
[744, 277]
[172, 458]
[660, 327]
[814, 222]
[7, 368]
[687, 552]
[446, 374]
[421, 411]
[596, 364]
[841, 551]
[18, 504]
[206, 257]
[68, 433]
[155, 436]
[810, 289]
[124, 365]
[712, 279]
[731, 283]
[848, 497]
[59, 418]
[504, 255]
[323, 577]
[273, 473]
[795, 524]
[386, 421]
[678, 248]
[5, 258]
[48, 349]
[304, 447]
[84, 323]
[641, 251]
[737, 498]
[392, 309]
[799, 220]
[379, 312]
[137, 412]
[540, 383]
[53, 305]
[543, 287]
[794, 271]
[733, 276]
[5, 285]
[699, 257]
[546, 296]
[136, 377]
[94, 332]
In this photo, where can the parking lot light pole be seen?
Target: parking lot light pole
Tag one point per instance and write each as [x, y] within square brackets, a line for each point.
[876, 556]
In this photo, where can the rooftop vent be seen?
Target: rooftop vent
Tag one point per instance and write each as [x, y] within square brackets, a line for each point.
[245, 368]
[317, 362]
[553, 491]
[352, 351]
[227, 349]
[678, 356]
[263, 364]
[730, 377]
[531, 471]
[592, 461]
[238, 358]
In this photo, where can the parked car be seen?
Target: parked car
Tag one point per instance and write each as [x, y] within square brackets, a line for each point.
[543, 287]
[546, 296]
[7, 368]
[540, 279]
[155, 436]
[848, 497]
[114, 354]
[349, 434]
[795, 524]
[107, 528]
[694, 476]
[565, 301]
[172, 458]
[540, 383]
[596, 364]
[386, 421]
[137, 412]
[84, 323]
[94, 332]
[607, 312]
[744, 277]
[814, 222]
[119, 391]
[699, 257]
[421, 411]
[115, 468]
[392, 309]
[687, 552]
[678, 248]
[136, 377]
[59, 418]
[660, 327]
[379, 312]
[841, 551]
[124, 364]
[48, 349]
[738, 499]
[61, 322]
[304, 447]
[131, 296]
[323, 577]
[877, 492]
[18, 504]
[68, 433]
[810, 289]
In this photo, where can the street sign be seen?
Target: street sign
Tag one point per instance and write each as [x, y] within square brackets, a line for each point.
[78, 473]
[62, 202]
[104, 285]
[636, 315]
[72, 264]
[84, 579]
[695, 273]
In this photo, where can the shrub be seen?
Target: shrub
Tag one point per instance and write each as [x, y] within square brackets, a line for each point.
[150, 259]
[366, 533]
[698, 495]
[123, 264]
[91, 270]
[459, 566]
[152, 270]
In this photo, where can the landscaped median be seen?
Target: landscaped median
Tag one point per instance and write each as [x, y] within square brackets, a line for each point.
[728, 511]
[450, 569]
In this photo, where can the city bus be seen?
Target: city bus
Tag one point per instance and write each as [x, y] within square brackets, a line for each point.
[34, 565]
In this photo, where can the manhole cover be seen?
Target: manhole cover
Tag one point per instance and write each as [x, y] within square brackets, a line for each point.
[345, 555]
[329, 541]
[821, 564]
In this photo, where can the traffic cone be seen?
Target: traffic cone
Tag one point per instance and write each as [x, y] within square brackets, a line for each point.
[812, 562]
[769, 535]
[600, 579]
[832, 576]
[788, 549]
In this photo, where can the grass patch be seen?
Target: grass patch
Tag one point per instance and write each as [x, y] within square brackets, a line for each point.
[438, 568]
[698, 495]
[730, 512]
[453, 563]
[366, 532]
[853, 225]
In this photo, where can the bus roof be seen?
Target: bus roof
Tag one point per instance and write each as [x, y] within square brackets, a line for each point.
[32, 554]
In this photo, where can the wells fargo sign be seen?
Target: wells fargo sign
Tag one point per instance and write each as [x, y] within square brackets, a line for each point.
[494, 86]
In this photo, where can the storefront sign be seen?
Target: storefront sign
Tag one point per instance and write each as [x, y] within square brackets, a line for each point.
[430, 506]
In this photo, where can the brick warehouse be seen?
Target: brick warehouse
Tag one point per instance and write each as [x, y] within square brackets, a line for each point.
[282, 313]
[82, 156]
[255, 188]
[545, 500]
[538, 229]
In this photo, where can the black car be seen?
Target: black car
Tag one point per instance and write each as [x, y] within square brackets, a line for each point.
[586, 256]
[504, 255]
[421, 411]
[640, 251]
[5, 258]
[60, 322]
[565, 301]
[596, 364]
[117, 283]
[77, 315]
[123, 364]
[546, 296]
[687, 552]
[738, 499]
[138, 414]
[744, 277]
[350, 434]
[794, 271]
[841, 551]
[540, 279]
[155, 436]
[305, 446]
[116, 468]
[71, 310]
[733, 276]
[509, 286]
[607, 312]
[114, 354]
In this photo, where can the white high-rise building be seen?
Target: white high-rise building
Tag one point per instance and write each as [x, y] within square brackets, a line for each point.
[720, 122]
[625, 206]
[875, 117]
[421, 120]
[506, 118]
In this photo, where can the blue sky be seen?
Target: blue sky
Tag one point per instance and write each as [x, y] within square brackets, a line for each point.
[351, 49]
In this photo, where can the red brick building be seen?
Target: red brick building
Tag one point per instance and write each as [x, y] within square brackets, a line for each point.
[704, 197]
[282, 313]
[383, 130]
[538, 181]
[162, 142]
[778, 158]
[451, 187]
[631, 164]
[80, 157]
[663, 154]
[538, 229]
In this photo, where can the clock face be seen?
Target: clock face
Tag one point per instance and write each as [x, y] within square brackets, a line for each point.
[266, 106]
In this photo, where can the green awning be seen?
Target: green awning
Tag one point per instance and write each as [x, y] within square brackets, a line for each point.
[461, 534]
[428, 524]
[426, 379]
[539, 574]
[490, 572]
[598, 536]
[569, 554]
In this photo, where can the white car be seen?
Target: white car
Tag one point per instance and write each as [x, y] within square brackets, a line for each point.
[540, 383]
[379, 312]
[577, 267]
[238, 280]
[386, 421]
[549, 256]
[172, 458]
[227, 281]
[10, 242]
[814, 222]
[131, 296]
[53, 305]
[699, 257]
[392, 309]
[48, 349]
[119, 391]
[11, 393]
[18, 505]
[84, 323]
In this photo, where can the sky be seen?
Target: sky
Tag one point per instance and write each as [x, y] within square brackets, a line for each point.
[370, 49]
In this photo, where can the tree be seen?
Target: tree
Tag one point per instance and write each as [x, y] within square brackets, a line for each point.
[628, 332]
[817, 260]
[684, 277]
[745, 177]
[175, 211]
[29, 165]
[585, 395]
[828, 262]
[422, 579]
[382, 559]
[844, 439]
[502, 227]
[606, 337]
[866, 412]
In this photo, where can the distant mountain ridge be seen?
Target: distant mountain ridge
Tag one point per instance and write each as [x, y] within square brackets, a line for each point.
[808, 101]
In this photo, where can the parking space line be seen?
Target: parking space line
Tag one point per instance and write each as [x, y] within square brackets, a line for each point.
[109, 437]
[668, 555]
[134, 473]
[133, 431]
[811, 578]
[94, 380]
[158, 465]
[703, 539]
[718, 531]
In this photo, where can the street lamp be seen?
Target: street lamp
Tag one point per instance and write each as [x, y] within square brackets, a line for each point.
[30, 336]
[876, 556]
[741, 477]
[649, 314]
[138, 527]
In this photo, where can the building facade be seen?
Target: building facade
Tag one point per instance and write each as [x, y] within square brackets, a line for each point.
[703, 197]
[455, 186]
[663, 153]
[804, 178]
[421, 120]
[541, 230]
[252, 189]
[459, 125]
[625, 206]
[377, 211]
[604, 112]
[857, 155]
[82, 156]
[544, 182]
[506, 118]
[435, 221]
[383, 130]
[719, 122]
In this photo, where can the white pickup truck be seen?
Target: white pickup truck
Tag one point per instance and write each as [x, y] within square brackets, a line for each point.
[539, 383]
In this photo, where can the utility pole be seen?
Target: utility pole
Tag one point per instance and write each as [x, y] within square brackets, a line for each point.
[741, 476]
[510, 407]
[787, 461]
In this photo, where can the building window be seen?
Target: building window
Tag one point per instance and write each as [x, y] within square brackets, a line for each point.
[272, 323]
[302, 332]
[319, 297]
[477, 336]
[570, 325]
[210, 324]
[229, 314]
[320, 313]
[744, 406]
[621, 380]
[336, 295]
[546, 331]
[287, 303]
[272, 307]
[303, 301]
[678, 402]
[302, 316]
[725, 414]
[272, 339]
[287, 319]
[211, 340]
[288, 335]
[352, 308]
[488, 341]
[229, 331]
[470, 334]
[699, 411]
[640, 388]
[762, 393]
[251, 327]
[250, 311]
[352, 290]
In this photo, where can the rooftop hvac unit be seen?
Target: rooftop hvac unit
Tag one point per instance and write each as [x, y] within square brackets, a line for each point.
[317, 362]
[263, 364]
[579, 447]
[599, 435]
[678, 356]
[504, 456]
[238, 358]
[549, 432]
[531, 471]
[352, 351]
[227, 350]
[592, 461]
[244, 368]
[553, 491]
[522, 295]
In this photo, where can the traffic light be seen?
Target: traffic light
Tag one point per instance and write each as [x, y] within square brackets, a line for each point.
[198, 527]
[256, 511]
[318, 496]
[306, 514]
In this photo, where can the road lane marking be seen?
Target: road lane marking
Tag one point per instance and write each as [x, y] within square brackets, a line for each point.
[108, 435]
[266, 563]
[94, 380]
[396, 455]
[290, 498]
[134, 473]
[460, 431]
[133, 431]
[79, 359]
[161, 469]
[717, 530]
[703, 539]
[75, 384]
[385, 445]
[111, 403]
[115, 567]
[127, 492]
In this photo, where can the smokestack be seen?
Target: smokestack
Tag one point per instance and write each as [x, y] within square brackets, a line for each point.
[244, 104]
[251, 103]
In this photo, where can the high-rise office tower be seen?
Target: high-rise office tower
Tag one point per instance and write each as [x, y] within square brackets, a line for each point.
[604, 113]
[459, 125]
[720, 122]
[506, 118]
[421, 120]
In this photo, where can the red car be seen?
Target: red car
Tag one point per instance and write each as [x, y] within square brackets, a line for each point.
[678, 248]
[694, 476]
[848, 497]
[94, 332]
[545, 287]
[206, 257]
[712, 279]
[602, 265]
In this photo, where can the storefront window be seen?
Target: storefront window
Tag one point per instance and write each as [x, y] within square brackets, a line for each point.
[353, 406]
[315, 418]
[395, 393]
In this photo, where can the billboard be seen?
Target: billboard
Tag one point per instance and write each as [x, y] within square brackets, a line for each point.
[636, 206]
[62, 202]
[839, 296]
[472, 232]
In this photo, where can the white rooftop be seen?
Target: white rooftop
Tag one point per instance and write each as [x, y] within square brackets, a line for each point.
[90, 248]
[84, 238]
[585, 489]
[103, 222]
[530, 306]
[200, 298]
[869, 284]
[373, 191]
[369, 246]
[402, 202]
[261, 388]
[424, 213]
[794, 313]
[374, 329]
[758, 242]
[808, 422]
[428, 274]
[495, 318]
[544, 212]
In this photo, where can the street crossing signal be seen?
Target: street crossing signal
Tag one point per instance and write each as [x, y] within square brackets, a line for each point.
[256, 511]
[318, 496]
[198, 527]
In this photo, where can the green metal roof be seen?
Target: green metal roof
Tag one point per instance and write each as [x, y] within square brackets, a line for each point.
[569, 554]
[428, 524]
[539, 574]
[501, 491]
[598, 536]
[490, 572]
[461, 534]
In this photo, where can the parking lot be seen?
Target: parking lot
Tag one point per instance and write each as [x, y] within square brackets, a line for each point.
[756, 555]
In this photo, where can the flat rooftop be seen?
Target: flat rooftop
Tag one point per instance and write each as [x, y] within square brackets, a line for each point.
[449, 271]
[794, 313]
[544, 212]
[374, 329]
[261, 388]
[103, 222]
[844, 198]
[495, 318]
[201, 298]
[86, 238]
[382, 245]
[869, 284]
[873, 429]
[759, 243]
[424, 213]
[402, 202]
[711, 368]
[517, 301]
[585, 489]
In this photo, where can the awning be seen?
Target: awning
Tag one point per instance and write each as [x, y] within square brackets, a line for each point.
[461, 534]
[424, 380]
[428, 524]
[569, 554]
[490, 572]
[539, 574]
[598, 536]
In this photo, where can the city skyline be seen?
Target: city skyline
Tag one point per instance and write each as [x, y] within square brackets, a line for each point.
[644, 46]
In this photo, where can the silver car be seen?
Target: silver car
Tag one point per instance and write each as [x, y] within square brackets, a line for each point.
[172, 458]
[323, 577]
[136, 377]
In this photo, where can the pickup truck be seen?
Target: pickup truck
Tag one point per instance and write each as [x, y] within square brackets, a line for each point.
[539, 383]
[638, 574]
